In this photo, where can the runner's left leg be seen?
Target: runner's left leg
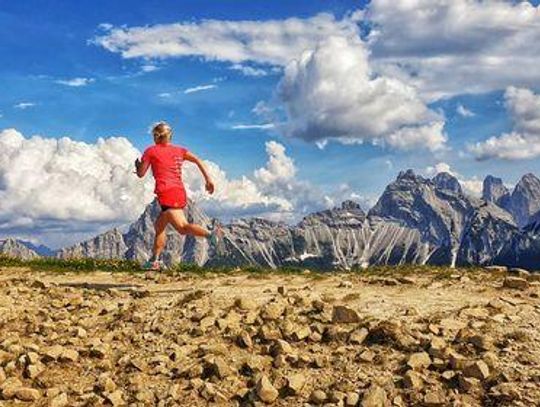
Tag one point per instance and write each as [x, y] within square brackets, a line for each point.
[161, 237]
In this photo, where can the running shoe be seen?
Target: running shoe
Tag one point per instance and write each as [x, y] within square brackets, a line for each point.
[156, 265]
[217, 239]
[216, 235]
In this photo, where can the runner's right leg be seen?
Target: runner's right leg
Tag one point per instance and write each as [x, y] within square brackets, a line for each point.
[177, 218]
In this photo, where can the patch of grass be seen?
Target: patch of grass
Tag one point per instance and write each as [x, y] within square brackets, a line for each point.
[76, 265]
[128, 266]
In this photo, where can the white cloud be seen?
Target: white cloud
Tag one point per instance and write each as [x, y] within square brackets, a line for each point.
[272, 191]
[265, 126]
[329, 89]
[430, 136]
[48, 185]
[449, 47]
[24, 105]
[331, 93]
[272, 42]
[75, 82]
[149, 68]
[61, 190]
[280, 167]
[470, 185]
[464, 112]
[442, 48]
[249, 70]
[523, 142]
[199, 88]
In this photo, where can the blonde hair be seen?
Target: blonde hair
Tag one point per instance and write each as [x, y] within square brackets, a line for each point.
[162, 132]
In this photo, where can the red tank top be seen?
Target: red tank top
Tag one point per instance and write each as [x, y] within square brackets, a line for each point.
[166, 161]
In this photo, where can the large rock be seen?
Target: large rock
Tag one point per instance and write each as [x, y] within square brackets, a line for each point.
[266, 391]
[344, 315]
[375, 396]
[516, 283]
[419, 361]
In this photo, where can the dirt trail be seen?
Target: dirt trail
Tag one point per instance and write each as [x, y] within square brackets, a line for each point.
[245, 339]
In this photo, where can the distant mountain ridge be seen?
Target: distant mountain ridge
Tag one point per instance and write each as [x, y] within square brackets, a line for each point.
[16, 248]
[416, 220]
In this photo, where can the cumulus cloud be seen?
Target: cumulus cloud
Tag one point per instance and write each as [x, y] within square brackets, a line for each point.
[265, 42]
[430, 136]
[280, 167]
[199, 88]
[331, 93]
[60, 190]
[523, 142]
[75, 82]
[51, 184]
[329, 89]
[451, 47]
[272, 191]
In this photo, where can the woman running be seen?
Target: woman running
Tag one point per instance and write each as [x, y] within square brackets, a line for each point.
[166, 161]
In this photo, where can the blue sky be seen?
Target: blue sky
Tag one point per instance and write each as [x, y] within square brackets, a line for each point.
[48, 46]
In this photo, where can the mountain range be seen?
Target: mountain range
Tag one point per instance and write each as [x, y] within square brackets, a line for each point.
[416, 220]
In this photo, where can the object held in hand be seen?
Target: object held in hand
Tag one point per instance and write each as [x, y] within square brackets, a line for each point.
[210, 187]
[137, 165]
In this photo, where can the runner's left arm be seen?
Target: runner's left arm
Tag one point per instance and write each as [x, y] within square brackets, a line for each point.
[194, 159]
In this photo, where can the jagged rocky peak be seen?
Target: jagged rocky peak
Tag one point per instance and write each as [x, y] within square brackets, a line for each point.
[40, 249]
[409, 176]
[494, 190]
[526, 199]
[399, 195]
[349, 214]
[447, 182]
[108, 245]
[350, 205]
[15, 248]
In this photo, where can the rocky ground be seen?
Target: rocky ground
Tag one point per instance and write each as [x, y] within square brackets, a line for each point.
[429, 339]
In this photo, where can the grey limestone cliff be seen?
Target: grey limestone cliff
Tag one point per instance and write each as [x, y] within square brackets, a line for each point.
[526, 199]
[15, 248]
[416, 220]
[494, 191]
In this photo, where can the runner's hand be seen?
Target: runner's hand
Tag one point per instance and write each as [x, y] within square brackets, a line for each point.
[210, 187]
[137, 165]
